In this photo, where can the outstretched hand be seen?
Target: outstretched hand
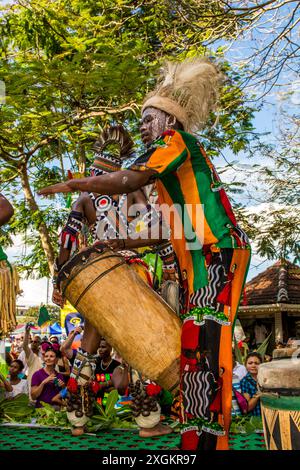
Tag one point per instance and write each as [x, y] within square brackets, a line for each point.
[54, 189]
[57, 298]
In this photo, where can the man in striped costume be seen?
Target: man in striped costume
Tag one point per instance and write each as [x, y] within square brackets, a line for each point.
[213, 252]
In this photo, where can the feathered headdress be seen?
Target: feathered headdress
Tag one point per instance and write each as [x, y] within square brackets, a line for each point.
[187, 90]
[115, 135]
[109, 161]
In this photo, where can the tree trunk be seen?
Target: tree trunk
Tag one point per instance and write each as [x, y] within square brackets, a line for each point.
[42, 229]
[81, 158]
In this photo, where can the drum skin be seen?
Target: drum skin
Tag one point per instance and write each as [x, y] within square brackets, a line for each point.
[280, 403]
[124, 309]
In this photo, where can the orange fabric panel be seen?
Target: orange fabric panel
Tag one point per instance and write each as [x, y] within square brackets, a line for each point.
[164, 156]
[241, 258]
[177, 236]
[190, 192]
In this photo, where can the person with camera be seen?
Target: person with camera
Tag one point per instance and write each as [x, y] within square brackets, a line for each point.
[46, 383]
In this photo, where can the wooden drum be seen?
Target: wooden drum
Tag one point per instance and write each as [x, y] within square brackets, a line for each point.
[279, 381]
[120, 304]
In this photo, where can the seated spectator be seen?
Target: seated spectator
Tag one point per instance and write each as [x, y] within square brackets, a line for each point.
[249, 384]
[104, 368]
[46, 383]
[13, 384]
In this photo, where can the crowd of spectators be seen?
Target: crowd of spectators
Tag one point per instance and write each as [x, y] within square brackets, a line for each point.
[41, 367]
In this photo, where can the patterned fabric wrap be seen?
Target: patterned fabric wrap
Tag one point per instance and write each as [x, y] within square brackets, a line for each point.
[80, 387]
[69, 235]
[83, 359]
[196, 387]
[212, 274]
[168, 258]
[201, 335]
[185, 176]
[111, 222]
[147, 219]
[206, 298]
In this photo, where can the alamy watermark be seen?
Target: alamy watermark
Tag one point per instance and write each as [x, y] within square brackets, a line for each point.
[138, 221]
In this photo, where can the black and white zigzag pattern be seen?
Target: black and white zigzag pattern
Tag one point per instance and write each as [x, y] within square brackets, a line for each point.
[207, 295]
[241, 234]
[196, 387]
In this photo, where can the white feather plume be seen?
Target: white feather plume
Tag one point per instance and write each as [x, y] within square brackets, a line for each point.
[193, 85]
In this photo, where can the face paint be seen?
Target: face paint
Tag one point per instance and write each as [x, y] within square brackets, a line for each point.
[154, 123]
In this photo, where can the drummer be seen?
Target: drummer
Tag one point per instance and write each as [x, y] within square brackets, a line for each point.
[99, 213]
[213, 252]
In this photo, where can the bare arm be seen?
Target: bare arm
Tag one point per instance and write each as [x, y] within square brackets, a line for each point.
[119, 182]
[26, 342]
[85, 206]
[66, 366]
[36, 390]
[6, 384]
[252, 402]
[57, 400]
[66, 345]
[120, 378]
[6, 210]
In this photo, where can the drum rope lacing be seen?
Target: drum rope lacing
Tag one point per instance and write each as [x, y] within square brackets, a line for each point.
[125, 260]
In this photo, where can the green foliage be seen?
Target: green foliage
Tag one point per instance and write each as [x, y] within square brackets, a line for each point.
[276, 228]
[238, 354]
[246, 424]
[262, 349]
[72, 66]
[109, 417]
[48, 416]
[32, 313]
[16, 408]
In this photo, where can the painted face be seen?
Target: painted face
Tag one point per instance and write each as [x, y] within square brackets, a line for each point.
[252, 365]
[154, 123]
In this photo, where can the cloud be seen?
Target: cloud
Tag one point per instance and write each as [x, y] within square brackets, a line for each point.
[34, 292]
